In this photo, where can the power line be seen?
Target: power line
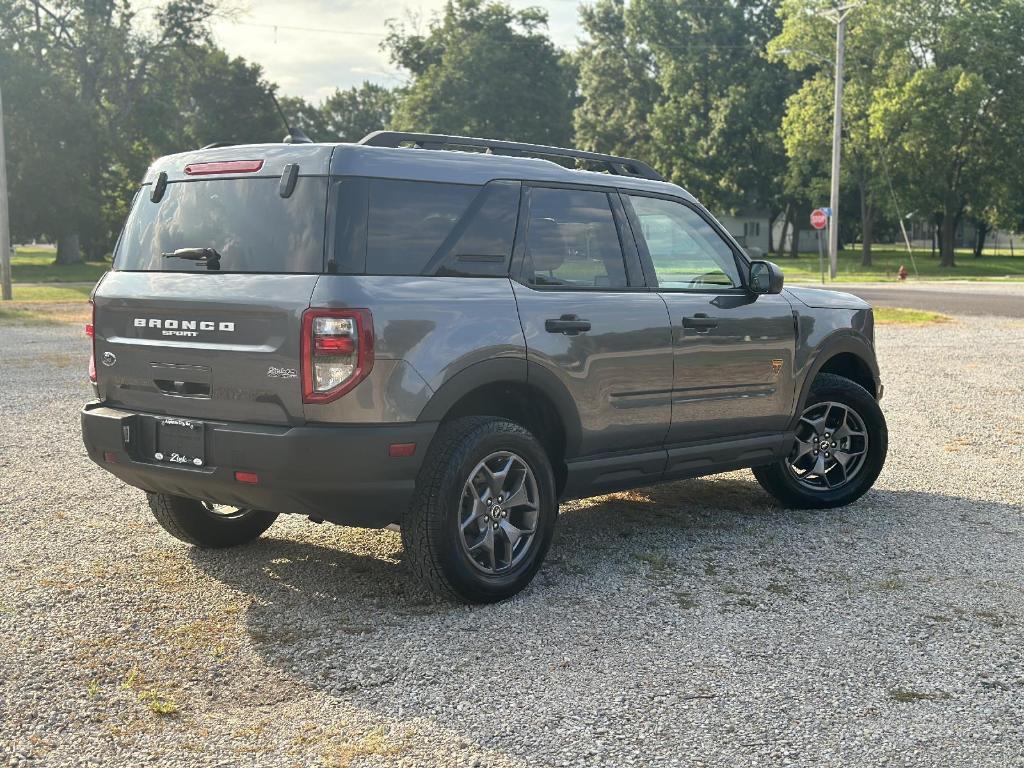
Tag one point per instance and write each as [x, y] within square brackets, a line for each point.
[322, 30]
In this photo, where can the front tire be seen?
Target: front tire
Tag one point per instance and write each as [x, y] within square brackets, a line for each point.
[207, 525]
[840, 447]
[484, 511]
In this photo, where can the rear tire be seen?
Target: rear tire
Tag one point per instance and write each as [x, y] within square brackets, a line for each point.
[484, 511]
[196, 523]
[810, 478]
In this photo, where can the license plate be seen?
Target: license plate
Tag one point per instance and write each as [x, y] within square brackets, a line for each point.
[181, 441]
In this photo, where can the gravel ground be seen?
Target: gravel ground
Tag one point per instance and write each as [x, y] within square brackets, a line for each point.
[692, 624]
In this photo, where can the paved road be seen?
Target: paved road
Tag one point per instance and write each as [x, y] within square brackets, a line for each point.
[951, 299]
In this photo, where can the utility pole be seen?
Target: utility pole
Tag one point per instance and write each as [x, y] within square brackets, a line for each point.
[838, 17]
[5, 221]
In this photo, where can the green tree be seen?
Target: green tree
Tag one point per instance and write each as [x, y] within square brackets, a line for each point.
[617, 82]
[935, 99]
[308, 117]
[85, 70]
[716, 126]
[350, 114]
[483, 69]
[806, 43]
[92, 96]
[952, 108]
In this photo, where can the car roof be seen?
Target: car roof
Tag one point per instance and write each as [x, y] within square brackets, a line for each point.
[459, 167]
[412, 164]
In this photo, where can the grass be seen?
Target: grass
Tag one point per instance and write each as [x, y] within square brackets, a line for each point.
[159, 703]
[892, 584]
[50, 292]
[21, 316]
[36, 265]
[656, 560]
[378, 743]
[43, 313]
[907, 696]
[901, 316]
[886, 263]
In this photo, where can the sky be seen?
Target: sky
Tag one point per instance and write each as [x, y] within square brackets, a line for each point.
[311, 47]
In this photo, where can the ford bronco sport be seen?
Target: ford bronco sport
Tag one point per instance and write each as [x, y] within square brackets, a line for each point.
[452, 335]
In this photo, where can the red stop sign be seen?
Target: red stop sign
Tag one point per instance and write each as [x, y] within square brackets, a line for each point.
[818, 219]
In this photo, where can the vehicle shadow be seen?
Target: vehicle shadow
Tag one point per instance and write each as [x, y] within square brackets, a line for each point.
[362, 569]
[648, 585]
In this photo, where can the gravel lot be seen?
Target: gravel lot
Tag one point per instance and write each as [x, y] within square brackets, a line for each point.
[692, 624]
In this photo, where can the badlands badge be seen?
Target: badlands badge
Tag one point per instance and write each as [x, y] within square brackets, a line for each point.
[777, 367]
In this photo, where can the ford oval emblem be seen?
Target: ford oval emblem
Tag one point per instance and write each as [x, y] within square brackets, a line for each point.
[109, 358]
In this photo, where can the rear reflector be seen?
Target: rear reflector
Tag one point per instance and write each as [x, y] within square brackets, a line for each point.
[224, 166]
[334, 345]
[401, 450]
[251, 478]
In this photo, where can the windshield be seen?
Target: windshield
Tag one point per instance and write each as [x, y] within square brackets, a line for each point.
[246, 221]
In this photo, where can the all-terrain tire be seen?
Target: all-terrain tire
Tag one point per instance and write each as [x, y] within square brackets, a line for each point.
[192, 522]
[432, 528]
[780, 481]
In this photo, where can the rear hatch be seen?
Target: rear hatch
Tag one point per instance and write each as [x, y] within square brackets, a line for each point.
[214, 332]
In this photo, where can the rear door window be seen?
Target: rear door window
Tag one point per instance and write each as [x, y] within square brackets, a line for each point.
[247, 221]
[572, 240]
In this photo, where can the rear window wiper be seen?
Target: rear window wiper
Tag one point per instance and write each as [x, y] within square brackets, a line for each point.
[208, 255]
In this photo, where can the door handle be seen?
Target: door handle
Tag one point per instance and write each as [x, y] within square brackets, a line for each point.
[700, 322]
[570, 325]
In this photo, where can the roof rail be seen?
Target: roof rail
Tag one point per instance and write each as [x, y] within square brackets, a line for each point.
[618, 166]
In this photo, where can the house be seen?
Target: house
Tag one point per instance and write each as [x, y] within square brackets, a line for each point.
[808, 237]
[749, 227]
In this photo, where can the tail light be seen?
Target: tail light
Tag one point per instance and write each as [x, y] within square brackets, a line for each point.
[337, 352]
[90, 331]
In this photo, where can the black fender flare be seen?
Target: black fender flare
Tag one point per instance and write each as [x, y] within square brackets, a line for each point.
[836, 344]
[512, 370]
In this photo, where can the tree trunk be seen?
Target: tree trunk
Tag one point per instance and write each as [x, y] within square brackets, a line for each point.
[937, 235]
[786, 221]
[69, 250]
[947, 235]
[866, 215]
[794, 247]
[979, 242]
[773, 214]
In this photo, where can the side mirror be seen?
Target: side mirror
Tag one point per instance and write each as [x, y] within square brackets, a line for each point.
[765, 277]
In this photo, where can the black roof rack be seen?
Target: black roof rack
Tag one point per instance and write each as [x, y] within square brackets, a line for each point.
[619, 166]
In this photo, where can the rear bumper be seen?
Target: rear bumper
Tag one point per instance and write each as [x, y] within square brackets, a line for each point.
[339, 473]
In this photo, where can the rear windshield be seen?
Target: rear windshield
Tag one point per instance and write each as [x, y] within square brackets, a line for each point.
[247, 221]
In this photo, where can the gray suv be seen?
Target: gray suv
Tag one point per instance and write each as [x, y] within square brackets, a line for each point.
[453, 335]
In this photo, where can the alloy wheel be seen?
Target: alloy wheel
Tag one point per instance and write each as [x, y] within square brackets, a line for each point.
[498, 513]
[222, 510]
[831, 447]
